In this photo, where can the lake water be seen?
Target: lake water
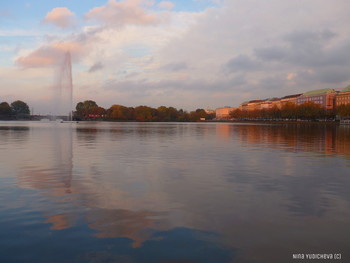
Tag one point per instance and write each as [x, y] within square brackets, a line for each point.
[173, 192]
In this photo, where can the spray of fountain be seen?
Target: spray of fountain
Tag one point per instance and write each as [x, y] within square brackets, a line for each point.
[63, 90]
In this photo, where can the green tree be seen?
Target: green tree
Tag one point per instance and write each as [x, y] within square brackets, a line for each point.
[183, 115]
[310, 110]
[289, 110]
[83, 109]
[20, 109]
[236, 114]
[145, 113]
[80, 110]
[97, 111]
[274, 112]
[5, 111]
[198, 114]
[119, 112]
[167, 114]
[343, 110]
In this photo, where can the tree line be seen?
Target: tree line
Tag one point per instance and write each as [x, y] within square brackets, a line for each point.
[305, 111]
[16, 110]
[89, 110]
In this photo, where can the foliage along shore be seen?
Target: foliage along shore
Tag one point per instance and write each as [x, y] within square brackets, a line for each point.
[89, 110]
[291, 111]
[18, 110]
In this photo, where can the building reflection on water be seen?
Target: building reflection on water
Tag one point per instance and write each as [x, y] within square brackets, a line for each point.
[330, 140]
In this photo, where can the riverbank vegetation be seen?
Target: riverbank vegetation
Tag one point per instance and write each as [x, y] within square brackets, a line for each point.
[291, 111]
[89, 110]
[16, 111]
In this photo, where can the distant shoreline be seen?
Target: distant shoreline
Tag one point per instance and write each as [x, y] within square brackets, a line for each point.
[304, 122]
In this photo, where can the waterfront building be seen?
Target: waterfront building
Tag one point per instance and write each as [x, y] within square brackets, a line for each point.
[289, 99]
[266, 104]
[327, 98]
[323, 97]
[343, 97]
[209, 111]
[244, 106]
[254, 105]
[223, 113]
[276, 102]
[270, 103]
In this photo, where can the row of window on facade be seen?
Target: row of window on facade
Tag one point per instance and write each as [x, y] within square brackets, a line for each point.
[327, 98]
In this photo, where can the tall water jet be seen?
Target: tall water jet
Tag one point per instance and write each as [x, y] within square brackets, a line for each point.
[63, 90]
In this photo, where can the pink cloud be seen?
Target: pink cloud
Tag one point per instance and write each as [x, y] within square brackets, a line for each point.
[50, 55]
[291, 76]
[148, 2]
[166, 5]
[61, 17]
[122, 13]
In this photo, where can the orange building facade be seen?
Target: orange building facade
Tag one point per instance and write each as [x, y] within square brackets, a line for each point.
[223, 113]
[343, 97]
[327, 98]
[323, 97]
[290, 99]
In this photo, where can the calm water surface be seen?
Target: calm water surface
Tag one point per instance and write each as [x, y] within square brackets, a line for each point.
[173, 192]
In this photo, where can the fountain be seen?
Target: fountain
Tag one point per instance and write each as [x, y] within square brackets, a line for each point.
[63, 90]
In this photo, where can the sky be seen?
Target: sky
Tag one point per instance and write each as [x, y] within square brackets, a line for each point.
[187, 54]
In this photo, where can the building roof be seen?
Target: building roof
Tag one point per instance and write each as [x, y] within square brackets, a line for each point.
[225, 107]
[346, 89]
[318, 92]
[273, 99]
[255, 101]
[291, 96]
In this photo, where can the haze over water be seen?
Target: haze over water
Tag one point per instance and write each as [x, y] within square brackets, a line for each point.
[173, 192]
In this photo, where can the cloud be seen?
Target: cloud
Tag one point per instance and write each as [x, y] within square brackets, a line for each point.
[52, 52]
[243, 48]
[42, 57]
[96, 67]
[19, 33]
[175, 66]
[270, 53]
[242, 63]
[291, 76]
[265, 42]
[61, 17]
[327, 75]
[123, 13]
[303, 38]
[166, 5]
[184, 92]
[144, 87]
[307, 49]
[49, 55]
[5, 13]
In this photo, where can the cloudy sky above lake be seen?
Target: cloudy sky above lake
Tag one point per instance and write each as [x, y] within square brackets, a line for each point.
[187, 53]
